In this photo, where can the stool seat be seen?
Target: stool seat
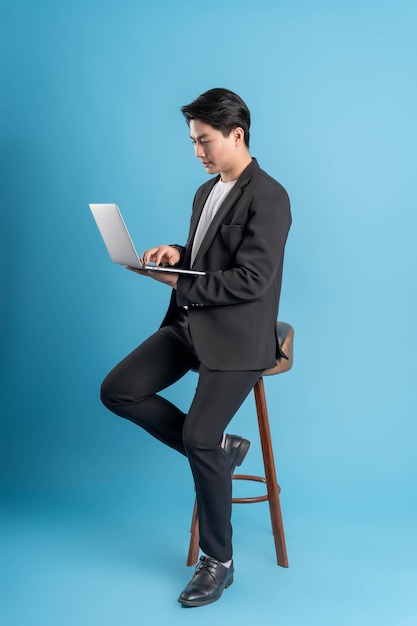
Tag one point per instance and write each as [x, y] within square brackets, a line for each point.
[285, 337]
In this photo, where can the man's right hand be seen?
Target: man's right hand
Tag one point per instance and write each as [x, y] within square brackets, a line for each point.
[158, 255]
[161, 254]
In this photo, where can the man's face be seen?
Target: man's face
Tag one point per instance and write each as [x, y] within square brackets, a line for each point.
[216, 152]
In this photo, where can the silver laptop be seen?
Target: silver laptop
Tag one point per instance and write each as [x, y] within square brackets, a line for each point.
[119, 243]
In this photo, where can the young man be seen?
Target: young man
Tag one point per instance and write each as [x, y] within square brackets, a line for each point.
[221, 323]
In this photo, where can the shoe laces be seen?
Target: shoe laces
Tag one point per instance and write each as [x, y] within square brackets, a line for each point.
[208, 565]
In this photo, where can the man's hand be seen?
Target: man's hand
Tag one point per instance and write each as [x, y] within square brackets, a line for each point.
[158, 255]
[161, 254]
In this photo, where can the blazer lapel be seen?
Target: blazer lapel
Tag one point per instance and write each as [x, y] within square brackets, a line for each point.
[228, 203]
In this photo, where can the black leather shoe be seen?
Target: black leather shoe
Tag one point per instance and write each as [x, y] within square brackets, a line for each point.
[210, 579]
[236, 448]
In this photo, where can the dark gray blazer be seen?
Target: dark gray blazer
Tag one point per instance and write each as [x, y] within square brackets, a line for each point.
[233, 309]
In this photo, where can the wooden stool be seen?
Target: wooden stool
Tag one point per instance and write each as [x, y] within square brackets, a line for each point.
[286, 340]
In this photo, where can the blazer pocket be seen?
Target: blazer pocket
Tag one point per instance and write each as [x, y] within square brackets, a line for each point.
[231, 235]
[231, 232]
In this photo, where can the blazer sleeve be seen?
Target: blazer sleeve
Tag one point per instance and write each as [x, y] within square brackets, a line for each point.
[256, 261]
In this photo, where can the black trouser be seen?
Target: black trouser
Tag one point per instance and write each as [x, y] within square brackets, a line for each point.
[130, 391]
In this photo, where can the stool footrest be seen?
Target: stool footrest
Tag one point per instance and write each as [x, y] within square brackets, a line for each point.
[251, 500]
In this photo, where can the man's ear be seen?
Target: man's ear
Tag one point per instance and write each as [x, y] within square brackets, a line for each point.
[238, 135]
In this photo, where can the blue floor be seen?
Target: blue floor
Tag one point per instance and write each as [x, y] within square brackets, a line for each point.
[98, 556]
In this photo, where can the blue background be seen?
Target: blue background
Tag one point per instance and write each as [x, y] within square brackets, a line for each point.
[95, 514]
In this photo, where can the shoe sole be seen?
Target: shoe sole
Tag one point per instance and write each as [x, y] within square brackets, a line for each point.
[204, 602]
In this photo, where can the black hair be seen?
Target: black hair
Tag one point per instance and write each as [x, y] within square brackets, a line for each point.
[222, 109]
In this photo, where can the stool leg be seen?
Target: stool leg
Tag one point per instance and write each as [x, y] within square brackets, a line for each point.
[270, 474]
[194, 546]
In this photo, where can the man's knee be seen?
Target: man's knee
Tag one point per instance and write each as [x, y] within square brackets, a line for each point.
[115, 393]
[107, 395]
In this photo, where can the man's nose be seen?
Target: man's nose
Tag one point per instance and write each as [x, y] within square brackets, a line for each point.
[199, 151]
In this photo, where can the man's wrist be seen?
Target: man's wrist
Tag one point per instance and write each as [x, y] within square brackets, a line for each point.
[180, 251]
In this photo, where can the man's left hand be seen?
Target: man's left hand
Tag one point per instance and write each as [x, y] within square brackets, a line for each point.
[168, 278]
